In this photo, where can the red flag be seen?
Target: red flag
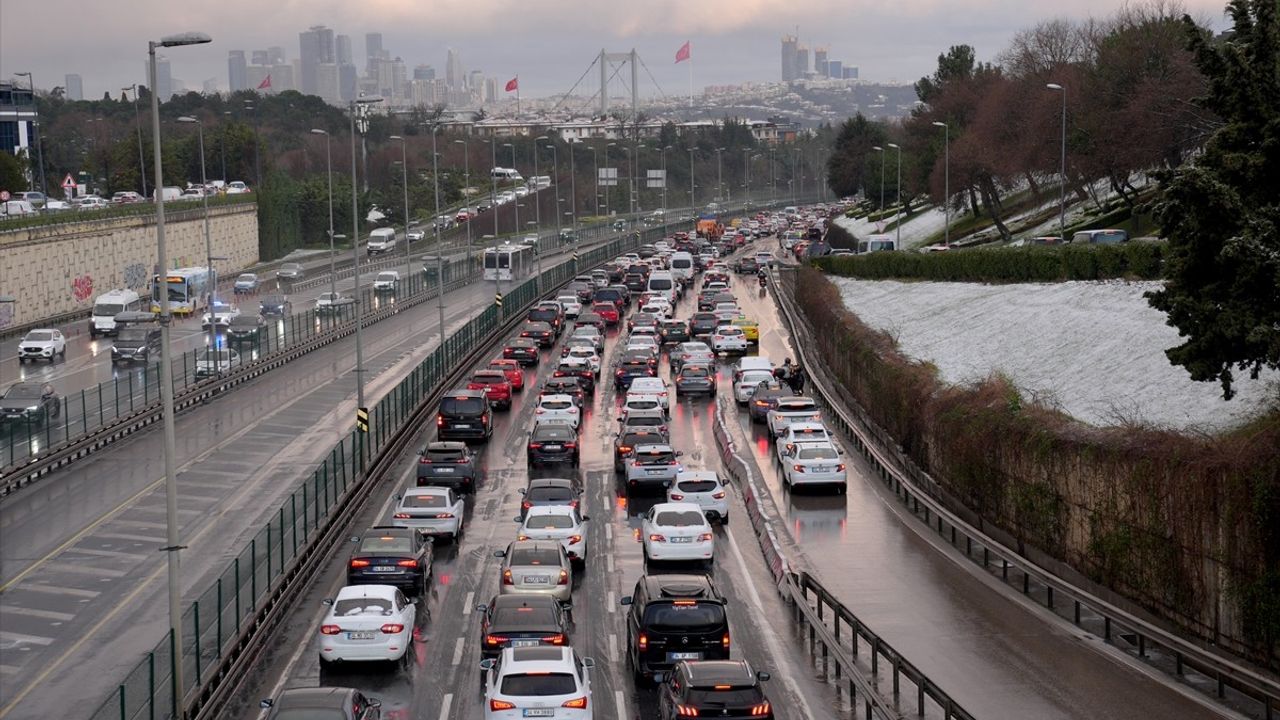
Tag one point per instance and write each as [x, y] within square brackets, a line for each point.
[683, 53]
[513, 84]
[265, 84]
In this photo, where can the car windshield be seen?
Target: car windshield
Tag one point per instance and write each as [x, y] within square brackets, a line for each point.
[533, 556]
[387, 276]
[22, 392]
[556, 404]
[684, 615]
[727, 696]
[108, 309]
[38, 336]
[697, 486]
[544, 432]
[362, 606]
[386, 544]
[819, 453]
[695, 371]
[462, 406]
[244, 321]
[755, 377]
[549, 522]
[132, 335]
[247, 278]
[679, 518]
[539, 685]
[424, 501]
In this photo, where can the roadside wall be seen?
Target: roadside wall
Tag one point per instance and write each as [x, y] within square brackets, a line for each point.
[57, 269]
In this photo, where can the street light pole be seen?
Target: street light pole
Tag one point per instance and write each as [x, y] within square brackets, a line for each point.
[404, 165]
[666, 209]
[328, 164]
[719, 176]
[607, 207]
[573, 206]
[172, 547]
[537, 211]
[31, 82]
[1062, 203]
[880, 150]
[555, 180]
[595, 164]
[946, 191]
[497, 279]
[142, 163]
[435, 180]
[897, 216]
[355, 250]
[208, 244]
[466, 179]
[693, 203]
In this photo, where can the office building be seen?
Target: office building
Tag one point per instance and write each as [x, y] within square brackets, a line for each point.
[373, 52]
[164, 80]
[74, 87]
[18, 119]
[454, 75]
[236, 66]
[802, 62]
[315, 48]
[851, 72]
[424, 72]
[475, 83]
[347, 81]
[276, 56]
[491, 90]
[399, 82]
[209, 86]
[789, 45]
[342, 49]
[835, 69]
[260, 57]
[820, 61]
[327, 83]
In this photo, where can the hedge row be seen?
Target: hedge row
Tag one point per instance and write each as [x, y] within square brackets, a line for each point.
[1037, 263]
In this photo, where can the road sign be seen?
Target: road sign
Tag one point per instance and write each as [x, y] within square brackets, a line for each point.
[68, 183]
[362, 419]
[656, 179]
[497, 299]
[607, 176]
[4, 195]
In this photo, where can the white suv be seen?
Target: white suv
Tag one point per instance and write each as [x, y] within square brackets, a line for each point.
[546, 681]
[650, 386]
[813, 463]
[703, 488]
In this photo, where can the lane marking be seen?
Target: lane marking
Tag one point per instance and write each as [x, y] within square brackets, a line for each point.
[130, 536]
[457, 651]
[11, 639]
[9, 669]
[32, 612]
[619, 703]
[103, 552]
[613, 603]
[287, 671]
[613, 649]
[445, 705]
[76, 592]
[468, 602]
[608, 532]
[85, 570]
[608, 561]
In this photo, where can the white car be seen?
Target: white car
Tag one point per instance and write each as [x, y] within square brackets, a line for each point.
[641, 402]
[571, 304]
[745, 382]
[557, 522]
[237, 187]
[644, 341]
[726, 316]
[93, 202]
[42, 344]
[791, 409]
[812, 463]
[220, 315]
[589, 331]
[531, 682]
[215, 362]
[586, 352]
[332, 303]
[729, 338]
[386, 281]
[367, 623]
[558, 408]
[798, 432]
[703, 488]
[651, 386]
[430, 511]
[657, 306]
[416, 235]
[246, 283]
[677, 531]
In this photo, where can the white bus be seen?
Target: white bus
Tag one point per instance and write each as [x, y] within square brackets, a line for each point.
[188, 290]
[507, 262]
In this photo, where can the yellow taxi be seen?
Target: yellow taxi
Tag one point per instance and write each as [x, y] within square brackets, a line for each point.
[750, 328]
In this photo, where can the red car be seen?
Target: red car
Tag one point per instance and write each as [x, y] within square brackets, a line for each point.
[511, 368]
[495, 385]
[608, 311]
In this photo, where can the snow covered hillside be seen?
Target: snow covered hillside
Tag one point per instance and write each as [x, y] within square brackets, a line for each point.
[1093, 349]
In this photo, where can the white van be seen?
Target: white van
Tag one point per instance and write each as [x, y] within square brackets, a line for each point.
[168, 194]
[877, 243]
[662, 282]
[17, 208]
[682, 265]
[102, 319]
[382, 240]
[501, 173]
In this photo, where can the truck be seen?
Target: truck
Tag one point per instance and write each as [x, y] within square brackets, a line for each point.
[710, 227]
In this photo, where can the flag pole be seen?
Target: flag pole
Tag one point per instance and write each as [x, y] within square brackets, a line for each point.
[517, 101]
[691, 82]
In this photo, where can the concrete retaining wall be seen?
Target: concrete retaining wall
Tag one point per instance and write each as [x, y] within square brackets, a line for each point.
[57, 269]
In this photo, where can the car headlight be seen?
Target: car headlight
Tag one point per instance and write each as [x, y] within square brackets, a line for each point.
[33, 408]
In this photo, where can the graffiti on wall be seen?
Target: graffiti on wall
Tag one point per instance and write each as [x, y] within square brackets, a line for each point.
[82, 287]
[135, 276]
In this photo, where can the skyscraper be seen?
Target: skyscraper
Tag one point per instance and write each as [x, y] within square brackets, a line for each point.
[372, 53]
[74, 87]
[315, 47]
[820, 61]
[835, 69]
[424, 72]
[327, 83]
[164, 80]
[261, 57]
[454, 75]
[276, 56]
[236, 67]
[789, 45]
[342, 49]
[347, 77]
[802, 62]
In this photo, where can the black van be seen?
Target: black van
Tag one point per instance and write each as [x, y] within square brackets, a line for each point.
[137, 337]
[464, 415]
[673, 618]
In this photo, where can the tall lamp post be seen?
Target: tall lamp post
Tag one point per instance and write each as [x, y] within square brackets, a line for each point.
[946, 172]
[208, 244]
[666, 209]
[466, 179]
[573, 206]
[257, 143]
[497, 279]
[516, 203]
[897, 216]
[555, 180]
[328, 165]
[356, 106]
[719, 176]
[435, 181]
[537, 211]
[404, 164]
[607, 207]
[172, 547]
[880, 150]
[595, 164]
[142, 163]
[693, 203]
[1062, 202]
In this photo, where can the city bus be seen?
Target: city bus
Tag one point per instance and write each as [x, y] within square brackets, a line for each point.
[188, 290]
[507, 262]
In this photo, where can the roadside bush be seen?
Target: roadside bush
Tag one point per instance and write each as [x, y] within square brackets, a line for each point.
[1037, 263]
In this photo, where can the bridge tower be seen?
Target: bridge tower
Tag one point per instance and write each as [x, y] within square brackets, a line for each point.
[630, 58]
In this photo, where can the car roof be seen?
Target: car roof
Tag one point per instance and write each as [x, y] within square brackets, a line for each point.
[390, 530]
[676, 507]
[515, 600]
[550, 510]
[463, 393]
[548, 657]
[457, 445]
[313, 697]
[697, 475]
[654, 448]
[425, 491]
[550, 482]
[675, 585]
[807, 426]
[703, 673]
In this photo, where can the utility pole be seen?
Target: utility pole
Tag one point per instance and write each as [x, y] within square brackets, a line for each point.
[328, 165]
[142, 163]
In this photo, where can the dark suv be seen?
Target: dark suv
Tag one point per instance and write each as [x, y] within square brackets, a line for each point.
[464, 415]
[765, 398]
[723, 689]
[448, 463]
[387, 555]
[521, 619]
[136, 343]
[673, 618]
[549, 491]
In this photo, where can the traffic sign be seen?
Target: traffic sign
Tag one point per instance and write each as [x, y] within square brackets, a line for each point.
[497, 299]
[362, 419]
[68, 183]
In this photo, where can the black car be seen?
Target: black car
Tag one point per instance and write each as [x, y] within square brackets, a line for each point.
[540, 332]
[696, 379]
[616, 295]
[448, 463]
[674, 331]
[552, 444]
[625, 444]
[246, 329]
[703, 323]
[673, 618]
[464, 415]
[632, 366]
[136, 343]
[387, 555]
[521, 620]
[549, 491]
[522, 350]
[765, 398]
[290, 272]
[635, 282]
[593, 319]
[616, 273]
[549, 313]
[723, 689]
[274, 306]
[336, 703]
[30, 402]
[568, 385]
[580, 370]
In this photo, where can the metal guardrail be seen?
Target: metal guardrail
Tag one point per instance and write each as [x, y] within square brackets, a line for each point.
[926, 499]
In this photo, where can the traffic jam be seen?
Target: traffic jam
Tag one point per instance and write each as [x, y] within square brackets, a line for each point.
[605, 389]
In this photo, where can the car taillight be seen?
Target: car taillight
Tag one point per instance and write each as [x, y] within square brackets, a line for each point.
[573, 503]
[571, 446]
[507, 579]
[643, 641]
[704, 537]
[624, 449]
[526, 504]
[679, 378]
[651, 372]
[497, 705]
[579, 703]
[445, 516]
[575, 539]
[761, 403]
[676, 496]
[719, 495]
[423, 461]
[494, 640]
[798, 468]
[461, 461]
[330, 629]
[686, 711]
[557, 639]
[392, 628]
[655, 537]
[564, 578]
[439, 421]
[724, 641]
[760, 710]
[407, 563]
[401, 516]
[619, 372]
[534, 445]
[359, 563]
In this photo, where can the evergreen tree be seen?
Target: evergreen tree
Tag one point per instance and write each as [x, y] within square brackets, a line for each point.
[1222, 214]
[847, 167]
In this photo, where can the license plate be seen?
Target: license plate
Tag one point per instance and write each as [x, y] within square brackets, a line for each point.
[445, 469]
[462, 426]
[552, 447]
[536, 579]
[539, 712]
[363, 635]
[681, 539]
[383, 568]
[684, 656]
[822, 468]
[655, 472]
[525, 643]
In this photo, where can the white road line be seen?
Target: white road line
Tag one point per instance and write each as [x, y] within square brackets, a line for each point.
[74, 592]
[608, 532]
[33, 612]
[9, 669]
[466, 604]
[619, 703]
[457, 651]
[613, 648]
[103, 552]
[86, 570]
[10, 640]
[613, 603]
[608, 561]
[445, 705]
[129, 536]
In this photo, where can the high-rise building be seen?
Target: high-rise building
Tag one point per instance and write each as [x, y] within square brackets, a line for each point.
[236, 70]
[475, 84]
[424, 72]
[399, 81]
[74, 87]
[164, 80]
[327, 83]
[342, 49]
[255, 74]
[347, 77]
[283, 77]
[276, 56]
[315, 48]
[491, 90]
[372, 52]
[384, 73]
[802, 62]
[835, 69]
[209, 86]
[820, 61]
[454, 75]
[851, 72]
[789, 45]
[261, 57]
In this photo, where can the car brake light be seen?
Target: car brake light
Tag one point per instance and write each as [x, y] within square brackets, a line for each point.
[643, 641]
[624, 449]
[392, 628]
[676, 496]
[494, 639]
[579, 703]
[557, 639]
[686, 711]
[571, 446]
[407, 563]
[704, 537]
[798, 468]
[507, 579]
[402, 516]
[564, 577]
[575, 539]
[724, 641]
[498, 705]
[719, 495]
[760, 710]
[423, 461]
[655, 537]
[444, 516]
[330, 629]
[534, 445]
[359, 563]
[526, 504]
[539, 411]
[439, 421]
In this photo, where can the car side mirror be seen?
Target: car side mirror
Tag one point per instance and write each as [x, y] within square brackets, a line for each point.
[355, 538]
[487, 664]
[679, 453]
[586, 518]
[500, 553]
[327, 601]
[762, 676]
[266, 703]
[481, 607]
[588, 663]
[566, 606]
[518, 519]
[374, 703]
[521, 491]
[399, 497]
[625, 600]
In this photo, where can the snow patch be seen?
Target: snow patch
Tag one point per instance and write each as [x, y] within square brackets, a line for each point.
[1095, 350]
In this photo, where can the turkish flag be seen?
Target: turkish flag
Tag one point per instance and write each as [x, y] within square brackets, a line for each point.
[683, 53]
[513, 84]
[265, 84]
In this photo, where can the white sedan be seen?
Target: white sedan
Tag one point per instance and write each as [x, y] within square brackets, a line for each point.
[729, 338]
[813, 463]
[677, 531]
[220, 315]
[571, 304]
[587, 353]
[216, 362]
[745, 382]
[791, 409]
[386, 281]
[557, 522]
[650, 386]
[367, 623]
[430, 511]
[558, 408]
[531, 682]
[42, 344]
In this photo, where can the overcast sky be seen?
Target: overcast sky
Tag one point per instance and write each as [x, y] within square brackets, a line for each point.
[549, 43]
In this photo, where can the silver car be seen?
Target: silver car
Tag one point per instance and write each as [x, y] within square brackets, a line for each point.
[652, 467]
[536, 566]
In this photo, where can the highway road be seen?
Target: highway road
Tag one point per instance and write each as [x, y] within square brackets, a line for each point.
[444, 678]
